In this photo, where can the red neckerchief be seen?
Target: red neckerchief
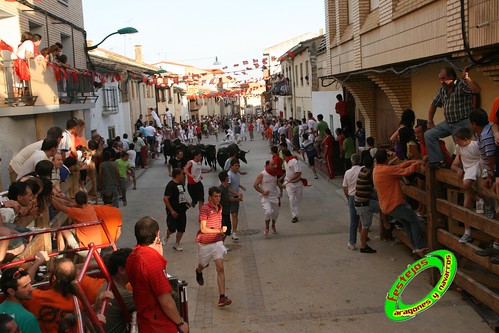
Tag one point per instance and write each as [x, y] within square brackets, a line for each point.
[270, 171]
[290, 158]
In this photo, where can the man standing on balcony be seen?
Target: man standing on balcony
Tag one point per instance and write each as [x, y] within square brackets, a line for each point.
[455, 96]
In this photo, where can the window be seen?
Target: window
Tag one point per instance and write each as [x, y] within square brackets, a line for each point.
[110, 100]
[111, 132]
[123, 91]
[296, 76]
[306, 73]
[67, 48]
[350, 11]
[301, 73]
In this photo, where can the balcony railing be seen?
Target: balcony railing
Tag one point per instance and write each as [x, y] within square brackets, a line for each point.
[50, 84]
[282, 88]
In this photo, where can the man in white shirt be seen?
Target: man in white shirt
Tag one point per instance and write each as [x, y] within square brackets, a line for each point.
[311, 123]
[47, 151]
[293, 183]
[18, 160]
[349, 183]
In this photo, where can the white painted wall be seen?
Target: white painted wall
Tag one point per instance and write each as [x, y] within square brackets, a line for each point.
[323, 102]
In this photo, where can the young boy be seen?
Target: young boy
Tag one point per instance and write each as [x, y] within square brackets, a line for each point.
[467, 165]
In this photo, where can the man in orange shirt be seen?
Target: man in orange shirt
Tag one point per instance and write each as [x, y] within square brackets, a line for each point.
[111, 217]
[387, 183]
[80, 212]
[51, 305]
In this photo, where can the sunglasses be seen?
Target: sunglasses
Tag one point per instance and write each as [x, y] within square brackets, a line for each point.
[17, 274]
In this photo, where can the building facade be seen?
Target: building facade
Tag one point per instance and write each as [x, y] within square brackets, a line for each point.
[27, 112]
[386, 54]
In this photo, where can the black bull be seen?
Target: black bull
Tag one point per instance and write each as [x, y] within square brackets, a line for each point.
[209, 152]
[225, 152]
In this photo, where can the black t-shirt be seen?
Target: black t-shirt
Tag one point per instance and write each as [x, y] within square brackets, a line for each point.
[176, 195]
[225, 200]
[176, 163]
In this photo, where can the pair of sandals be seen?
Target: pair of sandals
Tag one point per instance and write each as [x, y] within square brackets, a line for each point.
[266, 231]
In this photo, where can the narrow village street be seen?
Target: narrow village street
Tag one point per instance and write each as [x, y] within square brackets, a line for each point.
[304, 279]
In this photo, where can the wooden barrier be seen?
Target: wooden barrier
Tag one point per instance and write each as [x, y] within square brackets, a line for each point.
[476, 275]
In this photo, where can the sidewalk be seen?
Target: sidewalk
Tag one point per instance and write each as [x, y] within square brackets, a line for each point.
[304, 279]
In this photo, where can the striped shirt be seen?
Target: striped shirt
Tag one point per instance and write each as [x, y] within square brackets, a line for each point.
[486, 144]
[213, 217]
[457, 104]
[364, 186]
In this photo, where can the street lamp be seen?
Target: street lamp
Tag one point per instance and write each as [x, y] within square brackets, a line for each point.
[217, 63]
[122, 31]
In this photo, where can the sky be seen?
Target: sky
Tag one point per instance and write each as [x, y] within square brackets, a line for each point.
[194, 32]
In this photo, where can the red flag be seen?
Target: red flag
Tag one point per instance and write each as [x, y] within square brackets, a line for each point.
[103, 80]
[236, 65]
[6, 47]
[225, 67]
[249, 68]
[118, 77]
[264, 60]
[245, 62]
[273, 58]
[144, 79]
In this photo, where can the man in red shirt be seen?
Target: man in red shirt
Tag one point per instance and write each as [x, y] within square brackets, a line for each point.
[146, 269]
[341, 108]
[210, 240]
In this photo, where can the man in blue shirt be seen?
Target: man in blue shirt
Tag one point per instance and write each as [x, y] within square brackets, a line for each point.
[16, 285]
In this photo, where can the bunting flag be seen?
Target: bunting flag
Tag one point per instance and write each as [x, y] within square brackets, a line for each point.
[144, 79]
[225, 67]
[118, 77]
[103, 80]
[255, 60]
[236, 65]
[74, 75]
[245, 62]
[249, 68]
[273, 58]
[5, 47]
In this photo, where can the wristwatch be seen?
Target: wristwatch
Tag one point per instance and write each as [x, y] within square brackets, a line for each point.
[182, 322]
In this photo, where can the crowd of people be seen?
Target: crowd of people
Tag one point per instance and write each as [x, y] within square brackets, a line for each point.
[371, 185]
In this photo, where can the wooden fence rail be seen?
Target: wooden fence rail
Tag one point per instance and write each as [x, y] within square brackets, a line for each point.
[443, 199]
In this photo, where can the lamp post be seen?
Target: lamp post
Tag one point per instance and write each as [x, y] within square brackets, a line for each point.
[122, 31]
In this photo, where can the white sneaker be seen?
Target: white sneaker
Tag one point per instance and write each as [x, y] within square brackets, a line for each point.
[234, 236]
[351, 246]
[465, 239]
[177, 247]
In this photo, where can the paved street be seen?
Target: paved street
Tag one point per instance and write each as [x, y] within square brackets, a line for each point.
[304, 279]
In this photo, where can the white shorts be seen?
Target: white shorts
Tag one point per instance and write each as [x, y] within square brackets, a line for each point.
[270, 208]
[473, 172]
[209, 252]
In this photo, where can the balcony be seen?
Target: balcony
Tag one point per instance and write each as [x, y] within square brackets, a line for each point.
[282, 88]
[50, 89]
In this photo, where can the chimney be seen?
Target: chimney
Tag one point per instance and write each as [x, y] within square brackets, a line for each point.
[138, 53]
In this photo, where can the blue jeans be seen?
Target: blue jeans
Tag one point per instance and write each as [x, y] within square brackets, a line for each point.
[354, 220]
[442, 130]
[411, 222]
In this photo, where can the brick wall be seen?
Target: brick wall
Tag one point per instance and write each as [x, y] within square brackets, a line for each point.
[363, 90]
[397, 88]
